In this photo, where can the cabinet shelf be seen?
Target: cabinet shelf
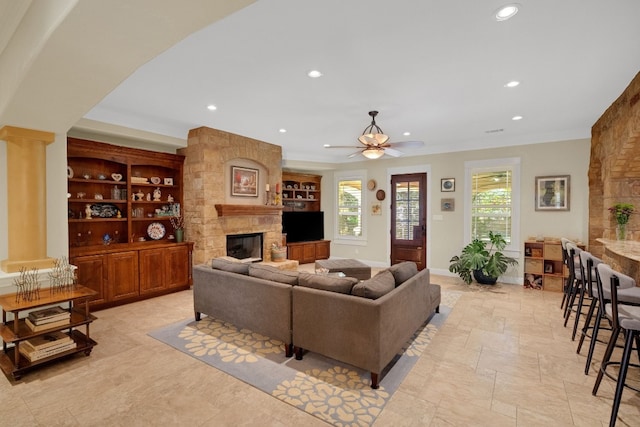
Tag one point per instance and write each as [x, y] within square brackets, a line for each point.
[301, 192]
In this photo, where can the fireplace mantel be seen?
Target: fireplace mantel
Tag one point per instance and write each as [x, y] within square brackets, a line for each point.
[237, 210]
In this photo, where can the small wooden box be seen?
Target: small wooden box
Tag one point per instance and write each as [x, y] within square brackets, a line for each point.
[536, 252]
[533, 266]
[553, 284]
[553, 251]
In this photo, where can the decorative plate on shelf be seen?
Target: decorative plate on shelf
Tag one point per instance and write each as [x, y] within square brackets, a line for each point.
[155, 180]
[69, 172]
[156, 230]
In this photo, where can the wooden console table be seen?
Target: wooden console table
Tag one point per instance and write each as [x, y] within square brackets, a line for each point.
[14, 331]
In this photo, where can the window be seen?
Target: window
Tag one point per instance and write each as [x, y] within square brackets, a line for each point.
[349, 223]
[493, 199]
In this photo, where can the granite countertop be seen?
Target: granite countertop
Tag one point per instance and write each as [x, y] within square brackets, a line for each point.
[626, 248]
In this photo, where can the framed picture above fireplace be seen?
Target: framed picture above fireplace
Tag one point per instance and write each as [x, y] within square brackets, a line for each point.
[244, 182]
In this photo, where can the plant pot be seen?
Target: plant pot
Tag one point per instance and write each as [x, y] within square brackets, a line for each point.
[483, 279]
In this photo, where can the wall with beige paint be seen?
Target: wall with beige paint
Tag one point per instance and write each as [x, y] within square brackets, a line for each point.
[446, 236]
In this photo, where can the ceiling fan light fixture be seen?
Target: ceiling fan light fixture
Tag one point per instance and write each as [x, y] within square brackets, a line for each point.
[372, 134]
[373, 153]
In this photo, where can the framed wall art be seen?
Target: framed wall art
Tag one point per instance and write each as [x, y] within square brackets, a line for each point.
[552, 193]
[244, 182]
[448, 184]
[376, 208]
[447, 205]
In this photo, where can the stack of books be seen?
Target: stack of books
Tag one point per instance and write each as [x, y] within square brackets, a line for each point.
[46, 345]
[47, 318]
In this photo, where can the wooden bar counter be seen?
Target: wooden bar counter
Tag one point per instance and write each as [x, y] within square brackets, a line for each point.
[623, 256]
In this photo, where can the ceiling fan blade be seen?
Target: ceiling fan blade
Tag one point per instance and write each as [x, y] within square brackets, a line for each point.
[342, 146]
[407, 144]
[352, 155]
[393, 153]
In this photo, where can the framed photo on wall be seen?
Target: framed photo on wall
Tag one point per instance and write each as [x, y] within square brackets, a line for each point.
[448, 184]
[244, 182]
[447, 205]
[552, 193]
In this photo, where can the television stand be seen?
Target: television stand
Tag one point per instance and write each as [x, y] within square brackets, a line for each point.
[307, 252]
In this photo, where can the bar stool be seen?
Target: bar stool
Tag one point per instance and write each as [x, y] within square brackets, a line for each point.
[624, 318]
[565, 257]
[574, 281]
[627, 293]
[588, 264]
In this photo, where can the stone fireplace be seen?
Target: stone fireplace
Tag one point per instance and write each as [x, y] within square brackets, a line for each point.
[211, 211]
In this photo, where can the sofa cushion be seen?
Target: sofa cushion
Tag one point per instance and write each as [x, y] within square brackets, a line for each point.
[379, 285]
[341, 285]
[403, 271]
[230, 266]
[274, 274]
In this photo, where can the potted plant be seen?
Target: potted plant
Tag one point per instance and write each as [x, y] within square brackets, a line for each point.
[621, 212]
[485, 265]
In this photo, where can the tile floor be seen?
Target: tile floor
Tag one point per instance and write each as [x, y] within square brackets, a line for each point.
[503, 358]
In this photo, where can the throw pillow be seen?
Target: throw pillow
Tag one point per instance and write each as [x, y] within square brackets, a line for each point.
[341, 285]
[274, 274]
[403, 271]
[379, 285]
[230, 266]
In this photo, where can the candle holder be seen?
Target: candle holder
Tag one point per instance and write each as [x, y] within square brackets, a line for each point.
[267, 198]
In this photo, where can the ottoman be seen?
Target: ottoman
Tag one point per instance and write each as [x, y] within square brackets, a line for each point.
[350, 267]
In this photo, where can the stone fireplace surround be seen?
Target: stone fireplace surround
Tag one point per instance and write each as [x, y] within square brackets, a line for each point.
[211, 213]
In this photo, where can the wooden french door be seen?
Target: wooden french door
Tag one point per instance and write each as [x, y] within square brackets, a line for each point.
[409, 219]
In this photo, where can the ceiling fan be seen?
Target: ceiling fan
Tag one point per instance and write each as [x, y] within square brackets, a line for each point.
[376, 143]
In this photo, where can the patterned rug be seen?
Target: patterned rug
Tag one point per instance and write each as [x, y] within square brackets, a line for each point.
[330, 390]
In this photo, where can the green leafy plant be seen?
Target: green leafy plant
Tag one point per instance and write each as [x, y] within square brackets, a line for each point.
[622, 212]
[477, 257]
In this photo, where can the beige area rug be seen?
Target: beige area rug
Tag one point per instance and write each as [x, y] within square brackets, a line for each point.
[328, 389]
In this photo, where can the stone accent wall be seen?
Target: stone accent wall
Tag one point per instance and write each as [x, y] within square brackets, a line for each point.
[614, 171]
[209, 154]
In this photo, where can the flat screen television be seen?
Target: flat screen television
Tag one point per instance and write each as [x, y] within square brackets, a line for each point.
[303, 226]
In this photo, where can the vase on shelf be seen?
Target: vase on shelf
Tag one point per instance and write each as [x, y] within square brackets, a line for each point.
[179, 235]
[621, 232]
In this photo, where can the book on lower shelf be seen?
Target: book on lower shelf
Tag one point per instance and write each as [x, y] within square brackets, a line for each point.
[35, 355]
[48, 341]
[48, 315]
[38, 328]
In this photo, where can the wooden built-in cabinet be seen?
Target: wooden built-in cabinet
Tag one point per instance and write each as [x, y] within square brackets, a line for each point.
[125, 249]
[306, 252]
[300, 191]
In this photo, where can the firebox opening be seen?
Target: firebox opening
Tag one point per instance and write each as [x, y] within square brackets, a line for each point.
[245, 247]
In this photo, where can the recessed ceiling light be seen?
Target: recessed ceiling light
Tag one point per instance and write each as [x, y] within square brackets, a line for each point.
[327, 145]
[212, 107]
[282, 131]
[512, 83]
[506, 12]
[407, 133]
[516, 118]
[314, 74]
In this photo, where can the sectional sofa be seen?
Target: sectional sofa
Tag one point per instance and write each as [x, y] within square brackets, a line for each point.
[362, 323]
